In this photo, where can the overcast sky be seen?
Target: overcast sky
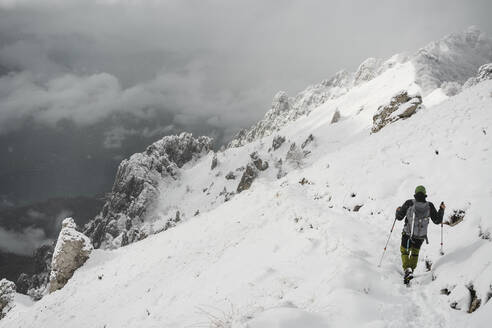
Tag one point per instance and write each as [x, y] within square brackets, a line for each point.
[203, 62]
[85, 83]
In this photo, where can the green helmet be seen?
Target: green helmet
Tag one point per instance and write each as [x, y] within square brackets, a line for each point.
[420, 189]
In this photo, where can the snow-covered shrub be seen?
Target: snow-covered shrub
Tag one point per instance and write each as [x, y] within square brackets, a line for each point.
[7, 294]
[279, 166]
[218, 318]
[308, 140]
[295, 156]
[451, 88]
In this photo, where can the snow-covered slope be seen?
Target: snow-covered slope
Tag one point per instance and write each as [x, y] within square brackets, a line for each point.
[440, 69]
[300, 247]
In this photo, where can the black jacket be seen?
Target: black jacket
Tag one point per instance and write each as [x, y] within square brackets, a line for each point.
[436, 216]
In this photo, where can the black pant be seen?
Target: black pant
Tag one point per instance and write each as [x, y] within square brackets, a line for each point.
[410, 248]
[407, 242]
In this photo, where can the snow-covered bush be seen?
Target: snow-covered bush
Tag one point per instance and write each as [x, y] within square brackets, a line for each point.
[295, 156]
[451, 88]
[7, 293]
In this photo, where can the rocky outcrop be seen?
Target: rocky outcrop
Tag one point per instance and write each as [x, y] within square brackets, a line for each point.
[367, 70]
[7, 294]
[248, 177]
[71, 251]
[35, 285]
[251, 173]
[273, 120]
[463, 298]
[484, 73]
[277, 142]
[279, 165]
[259, 164]
[455, 58]
[401, 106]
[336, 117]
[308, 141]
[136, 188]
[214, 163]
[286, 109]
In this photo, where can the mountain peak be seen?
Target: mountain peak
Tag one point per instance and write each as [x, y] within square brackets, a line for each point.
[454, 58]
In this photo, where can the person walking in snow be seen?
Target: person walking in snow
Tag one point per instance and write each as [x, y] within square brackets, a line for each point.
[416, 213]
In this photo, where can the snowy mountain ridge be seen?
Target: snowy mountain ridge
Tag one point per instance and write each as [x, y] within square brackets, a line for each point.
[287, 230]
[136, 188]
[445, 64]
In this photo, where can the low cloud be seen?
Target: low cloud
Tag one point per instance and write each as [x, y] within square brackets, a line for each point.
[116, 136]
[37, 228]
[215, 63]
[24, 242]
[87, 100]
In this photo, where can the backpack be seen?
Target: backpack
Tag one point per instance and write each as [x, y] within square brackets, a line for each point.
[417, 220]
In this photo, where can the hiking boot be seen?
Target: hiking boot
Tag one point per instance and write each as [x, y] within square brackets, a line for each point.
[408, 276]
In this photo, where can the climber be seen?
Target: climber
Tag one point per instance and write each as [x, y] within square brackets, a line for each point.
[416, 213]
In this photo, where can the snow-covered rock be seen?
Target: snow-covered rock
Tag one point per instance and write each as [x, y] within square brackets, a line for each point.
[251, 173]
[277, 142]
[71, 251]
[484, 73]
[136, 188]
[7, 294]
[367, 70]
[285, 109]
[401, 106]
[455, 58]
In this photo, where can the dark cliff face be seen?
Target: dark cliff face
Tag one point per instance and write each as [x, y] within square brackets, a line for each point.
[35, 284]
[136, 188]
[45, 216]
[11, 265]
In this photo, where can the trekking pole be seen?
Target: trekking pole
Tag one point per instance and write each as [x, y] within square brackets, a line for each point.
[442, 251]
[387, 242]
